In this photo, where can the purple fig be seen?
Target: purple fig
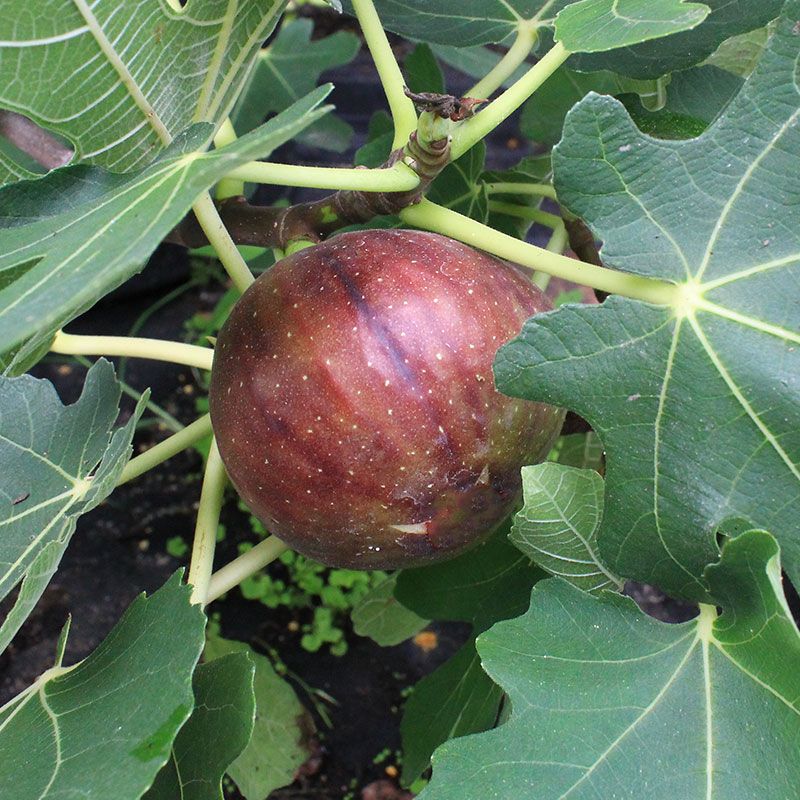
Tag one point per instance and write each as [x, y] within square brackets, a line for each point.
[353, 399]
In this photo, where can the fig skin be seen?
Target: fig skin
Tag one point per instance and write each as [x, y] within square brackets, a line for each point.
[353, 399]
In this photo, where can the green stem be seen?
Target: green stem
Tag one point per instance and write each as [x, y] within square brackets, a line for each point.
[227, 187]
[559, 240]
[178, 442]
[404, 115]
[509, 63]
[159, 350]
[476, 128]
[537, 189]
[247, 564]
[398, 178]
[205, 532]
[219, 238]
[555, 244]
[429, 216]
[526, 212]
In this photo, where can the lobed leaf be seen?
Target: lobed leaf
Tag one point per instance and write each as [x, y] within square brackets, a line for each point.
[120, 708]
[607, 702]
[383, 618]
[58, 463]
[121, 80]
[697, 403]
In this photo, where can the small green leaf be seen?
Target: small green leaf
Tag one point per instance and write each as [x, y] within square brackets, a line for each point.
[592, 26]
[288, 69]
[104, 727]
[557, 526]
[382, 617]
[458, 188]
[120, 83]
[279, 744]
[79, 232]
[607, 702]
[740, 54]
[58, 463]
[218, 730]
[488, 583]
[422, 70]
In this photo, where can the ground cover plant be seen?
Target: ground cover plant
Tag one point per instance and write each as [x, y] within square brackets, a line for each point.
[382, 394]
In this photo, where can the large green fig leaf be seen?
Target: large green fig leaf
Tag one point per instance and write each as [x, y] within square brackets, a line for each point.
[104, 727]
[607, 702]
[697, 402]
[121, 79]
[72, 236]
[56, 463]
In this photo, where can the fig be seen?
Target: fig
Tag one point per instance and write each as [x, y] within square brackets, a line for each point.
[353, 399]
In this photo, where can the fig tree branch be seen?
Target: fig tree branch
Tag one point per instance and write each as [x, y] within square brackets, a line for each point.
[473, 130]
[266, 226]
[397, 178]
[36, 142]
[219, 237]
[247, 564]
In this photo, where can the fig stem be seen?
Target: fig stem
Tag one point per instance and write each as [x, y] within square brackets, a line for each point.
[538, 189]
[558, 240]
[471, 131]
[397, 178]
[177, 443]
[217, 234]
[431, 217]
[227, 187]
[527, 212]
[247, 564]
[404, 115]
[205, 532]
[527, 34]
[157, 349]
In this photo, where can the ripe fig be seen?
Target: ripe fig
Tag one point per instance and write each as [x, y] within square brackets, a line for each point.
[353, 399]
